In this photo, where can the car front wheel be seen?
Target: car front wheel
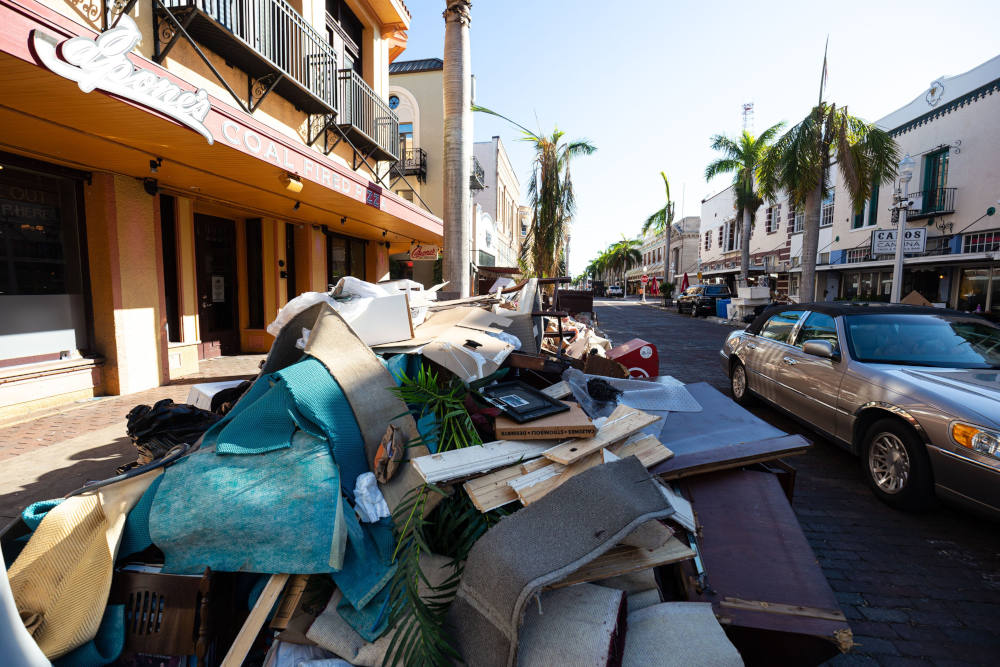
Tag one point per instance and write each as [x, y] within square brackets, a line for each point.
[896, 465]
[738, 384]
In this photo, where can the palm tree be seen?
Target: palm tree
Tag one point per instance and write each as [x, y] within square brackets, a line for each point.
[457, 145]
[799, 163]
[623, 255]
[550, 195]
[743, 157]
[661, 222]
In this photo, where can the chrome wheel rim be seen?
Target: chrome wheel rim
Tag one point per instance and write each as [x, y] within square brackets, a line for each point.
[739, 381]
[888, 463]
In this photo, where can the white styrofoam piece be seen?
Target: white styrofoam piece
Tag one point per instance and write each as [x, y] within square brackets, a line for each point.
[200, 395]
[457, 463]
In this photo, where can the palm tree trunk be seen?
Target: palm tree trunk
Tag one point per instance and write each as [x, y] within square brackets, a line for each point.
[457, 145]
[666, 251]
[745, 246]
[810, 243]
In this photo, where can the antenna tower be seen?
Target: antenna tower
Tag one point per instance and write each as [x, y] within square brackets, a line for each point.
[748, 117]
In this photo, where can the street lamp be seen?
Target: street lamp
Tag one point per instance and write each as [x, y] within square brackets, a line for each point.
[902, 203]
[643, 285]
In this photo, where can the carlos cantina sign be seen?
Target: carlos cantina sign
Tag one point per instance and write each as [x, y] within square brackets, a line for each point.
[103, 64]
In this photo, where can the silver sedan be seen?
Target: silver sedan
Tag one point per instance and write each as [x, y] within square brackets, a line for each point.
[914, 391]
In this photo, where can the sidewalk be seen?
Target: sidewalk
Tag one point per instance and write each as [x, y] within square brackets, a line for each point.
[54, 452]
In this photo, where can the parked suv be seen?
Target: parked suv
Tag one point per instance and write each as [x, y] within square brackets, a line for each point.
[700, 299]
[614, 290]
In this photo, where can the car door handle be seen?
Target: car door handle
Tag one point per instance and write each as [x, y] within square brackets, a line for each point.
[751, 346]
[789, 361]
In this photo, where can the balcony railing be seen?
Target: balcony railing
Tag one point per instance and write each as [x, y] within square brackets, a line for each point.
[270, 41]
[413, 162]
[931, 202]
[477, 178]
[366, 118]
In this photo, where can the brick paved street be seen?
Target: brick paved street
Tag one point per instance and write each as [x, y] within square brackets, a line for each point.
[57, 451]
[917, 589]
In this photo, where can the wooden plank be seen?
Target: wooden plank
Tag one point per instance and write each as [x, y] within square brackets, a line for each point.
[778, 608]
[289, 600]
[646, 448]
[492, 491]
[255, 621]
[496, 489]
[622, 423]
[467, 461]
[536, 485]
[558, 391]
[623, 559]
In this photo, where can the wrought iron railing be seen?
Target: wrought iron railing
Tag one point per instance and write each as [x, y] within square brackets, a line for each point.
[367, 112]
[281, 36]
[413, 161]
[932, 202]
[477, 178]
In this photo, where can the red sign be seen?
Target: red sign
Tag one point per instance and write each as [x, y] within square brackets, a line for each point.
[424, 252]
[645, 279]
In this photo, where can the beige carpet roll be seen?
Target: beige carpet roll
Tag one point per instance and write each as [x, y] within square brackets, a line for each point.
[62, 579]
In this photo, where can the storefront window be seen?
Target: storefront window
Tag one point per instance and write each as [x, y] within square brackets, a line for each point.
[344, 257]
[995, 293]
[41, 277]
[972, 290]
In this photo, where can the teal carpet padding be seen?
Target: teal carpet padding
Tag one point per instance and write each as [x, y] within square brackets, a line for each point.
[303, 395]
[135, 536]
[105, 647]
[33, 514]
[274, 512]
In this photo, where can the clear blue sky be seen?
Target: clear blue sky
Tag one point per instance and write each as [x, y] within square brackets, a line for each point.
[650, 81]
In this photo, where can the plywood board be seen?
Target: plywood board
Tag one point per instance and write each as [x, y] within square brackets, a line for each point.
[624, 559]
[622, 423]
[458, 463]
[573, 423]
[558, 391]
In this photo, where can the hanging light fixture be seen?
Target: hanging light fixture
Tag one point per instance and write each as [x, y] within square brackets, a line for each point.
[291, 182]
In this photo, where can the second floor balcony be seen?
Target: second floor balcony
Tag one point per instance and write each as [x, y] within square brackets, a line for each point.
[412, 162]
[927, 203]
[267, 39]
[366, 119]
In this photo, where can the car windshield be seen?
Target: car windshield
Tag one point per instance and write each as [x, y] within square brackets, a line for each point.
[923, 340]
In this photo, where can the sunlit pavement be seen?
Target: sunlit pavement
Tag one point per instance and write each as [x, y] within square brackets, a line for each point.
[917, 589]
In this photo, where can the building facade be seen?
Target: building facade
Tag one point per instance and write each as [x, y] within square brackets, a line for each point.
[683, 252]
[416, 95]
[952, 133]
[174, 173]
[499, 200]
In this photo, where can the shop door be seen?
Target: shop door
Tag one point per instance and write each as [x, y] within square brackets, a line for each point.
[215, 248]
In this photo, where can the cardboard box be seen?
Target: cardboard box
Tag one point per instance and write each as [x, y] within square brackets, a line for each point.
[571, 424]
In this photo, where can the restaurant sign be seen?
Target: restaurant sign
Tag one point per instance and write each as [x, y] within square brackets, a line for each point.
[884, 241]
[424, 251]
[103, 64]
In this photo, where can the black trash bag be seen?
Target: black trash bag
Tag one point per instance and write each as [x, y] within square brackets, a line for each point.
[155, 430]
[225, 399]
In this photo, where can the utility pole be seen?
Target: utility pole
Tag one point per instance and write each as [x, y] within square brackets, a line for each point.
[901, 206]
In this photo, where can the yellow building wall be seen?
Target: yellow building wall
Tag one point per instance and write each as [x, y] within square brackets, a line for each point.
[125, 283]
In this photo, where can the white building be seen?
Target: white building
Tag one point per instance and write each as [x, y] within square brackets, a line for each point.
[953, 133]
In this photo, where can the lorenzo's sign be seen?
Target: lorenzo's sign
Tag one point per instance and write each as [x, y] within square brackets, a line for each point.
[424, 252]
[103, 64]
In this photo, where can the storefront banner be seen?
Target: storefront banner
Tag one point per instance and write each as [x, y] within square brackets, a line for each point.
[424, 252]
[103, 64]
[884, 241]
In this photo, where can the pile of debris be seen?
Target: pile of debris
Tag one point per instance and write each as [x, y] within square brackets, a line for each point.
[407, 481]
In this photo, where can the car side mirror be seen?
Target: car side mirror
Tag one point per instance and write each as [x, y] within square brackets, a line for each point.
[821, 348]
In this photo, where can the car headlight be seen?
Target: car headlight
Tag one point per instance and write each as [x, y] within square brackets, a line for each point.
[977, 439]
